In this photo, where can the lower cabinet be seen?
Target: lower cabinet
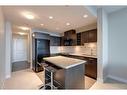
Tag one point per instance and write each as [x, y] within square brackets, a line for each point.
[91, 68]
[60, 78]
[90, 65]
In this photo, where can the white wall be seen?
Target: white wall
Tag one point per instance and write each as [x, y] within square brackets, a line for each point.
[118, 45]
[47, 32]
[8, 38]
[102, 44]
[30, 47]
[86, 28]
[2, 49]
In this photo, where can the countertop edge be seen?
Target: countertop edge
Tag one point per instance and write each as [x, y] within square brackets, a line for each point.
[70, 66]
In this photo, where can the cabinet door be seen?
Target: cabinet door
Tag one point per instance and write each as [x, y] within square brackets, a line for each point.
[84, 37]
[54, 41]
[78, 38]
[58, 41]
[70, 38]
[62, 41]
[91, 68]
[92, 35]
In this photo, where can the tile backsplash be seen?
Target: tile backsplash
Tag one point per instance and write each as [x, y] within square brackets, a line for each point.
[88, 49]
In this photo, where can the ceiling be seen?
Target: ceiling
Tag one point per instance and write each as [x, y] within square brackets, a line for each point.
[61, 16]
[111, 9]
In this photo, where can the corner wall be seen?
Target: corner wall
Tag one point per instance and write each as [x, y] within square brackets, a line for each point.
[2, 49]
[118, 45]
[8, 49]
[102, 44]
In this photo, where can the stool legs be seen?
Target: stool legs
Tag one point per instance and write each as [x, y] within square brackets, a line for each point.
[51, 80]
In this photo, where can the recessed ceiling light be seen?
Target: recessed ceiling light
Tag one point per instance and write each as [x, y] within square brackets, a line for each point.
[24, 28]
[50, 17]
[42, 24]
[67, 23]
[85, 16]
[33, 35]
[28, 15]
[20, 33]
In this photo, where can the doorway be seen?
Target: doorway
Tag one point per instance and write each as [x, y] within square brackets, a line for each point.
[20, 52]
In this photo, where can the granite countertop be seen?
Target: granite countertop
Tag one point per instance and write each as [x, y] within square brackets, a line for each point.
[64, 62]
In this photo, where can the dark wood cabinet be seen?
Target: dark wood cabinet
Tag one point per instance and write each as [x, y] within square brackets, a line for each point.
[92, 35]
[84, 37]
[89, 36]
[78, 38]
[91, 67]
[54, 41]
[69, 38]
[62, 41]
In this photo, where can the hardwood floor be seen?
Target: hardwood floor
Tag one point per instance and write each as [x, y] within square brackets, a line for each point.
[21, 65]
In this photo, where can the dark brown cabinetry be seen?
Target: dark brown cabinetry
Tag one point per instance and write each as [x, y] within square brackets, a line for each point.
[55, 41]
[62, 41]
[78, 38]
[91, 67]
[89, 36]
[84, 37]
[69, 38]
[92, 35]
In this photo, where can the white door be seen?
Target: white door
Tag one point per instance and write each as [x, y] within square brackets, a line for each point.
[19, 49]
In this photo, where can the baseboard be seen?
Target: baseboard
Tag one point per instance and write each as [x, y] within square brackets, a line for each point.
[2, 85]
[117, 79]
[7, 76]
[100, 80]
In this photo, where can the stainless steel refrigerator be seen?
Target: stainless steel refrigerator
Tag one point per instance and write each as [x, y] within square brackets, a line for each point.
[41, 49]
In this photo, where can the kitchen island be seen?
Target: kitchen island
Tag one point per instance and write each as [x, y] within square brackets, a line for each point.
[69, 73]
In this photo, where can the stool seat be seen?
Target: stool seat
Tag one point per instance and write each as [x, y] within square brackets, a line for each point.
[50, 69]
[43, 64]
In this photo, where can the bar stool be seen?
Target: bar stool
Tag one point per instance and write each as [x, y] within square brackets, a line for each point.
[51, 70]
[44, 65]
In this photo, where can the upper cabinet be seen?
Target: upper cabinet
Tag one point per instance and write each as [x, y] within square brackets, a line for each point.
[78, 38]
[84, 37]
[92, 35]
[55, 41]
[89, 36]
[69, 38]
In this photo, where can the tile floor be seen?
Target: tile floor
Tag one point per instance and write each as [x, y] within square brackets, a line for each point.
[108, 86]
[88, 81]
[27, 79]
[24, 79]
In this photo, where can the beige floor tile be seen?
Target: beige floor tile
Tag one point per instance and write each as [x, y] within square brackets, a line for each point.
[89, 82]
[27, 79]
[108, 86]
[24, 79]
